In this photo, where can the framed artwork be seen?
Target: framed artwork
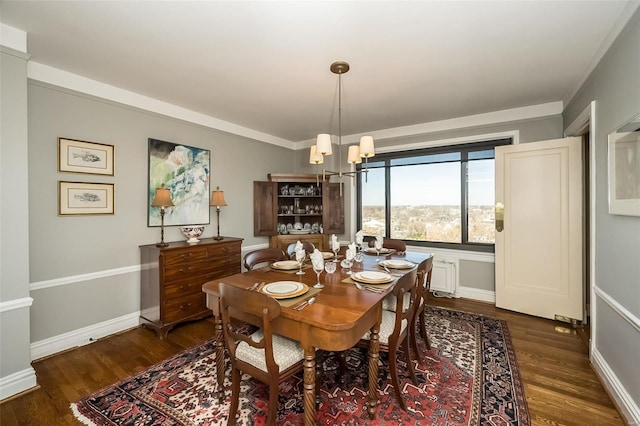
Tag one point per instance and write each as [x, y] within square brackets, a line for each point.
[85, 157]
[624, 169]
[83, 198]
[184, 170]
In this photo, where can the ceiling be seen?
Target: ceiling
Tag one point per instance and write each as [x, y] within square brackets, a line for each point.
[265, 65]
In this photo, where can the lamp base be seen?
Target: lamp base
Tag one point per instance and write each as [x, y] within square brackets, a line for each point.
[218, 238]
[162, 245]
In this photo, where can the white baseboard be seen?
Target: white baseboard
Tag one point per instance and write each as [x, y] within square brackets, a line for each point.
[627, 405]
[83, 336]
[476, 294]
[18, 382]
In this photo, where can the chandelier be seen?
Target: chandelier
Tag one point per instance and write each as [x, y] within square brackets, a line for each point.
[323, 144]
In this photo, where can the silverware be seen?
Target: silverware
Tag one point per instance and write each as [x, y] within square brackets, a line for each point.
[366, 287]
[253, 287]
[260, 286]
[305, 304]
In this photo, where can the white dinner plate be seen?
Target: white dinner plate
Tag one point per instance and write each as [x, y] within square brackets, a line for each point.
[285, 289]
[285, 265]
[372, 277]
[397, 264]
[383, 250]
[299, 231]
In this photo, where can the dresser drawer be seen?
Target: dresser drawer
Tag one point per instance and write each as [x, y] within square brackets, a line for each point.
[185, 287]
[223, 251]
[184, 307]
[186, 256]
[187, 270]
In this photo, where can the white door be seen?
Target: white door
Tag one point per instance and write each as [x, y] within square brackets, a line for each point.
[538, 253]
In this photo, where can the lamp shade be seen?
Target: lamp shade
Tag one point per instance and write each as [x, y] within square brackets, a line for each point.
[314, 156]
[367, 150]
[217, 198]
[323, 144]
[162, 198]
[354, 155]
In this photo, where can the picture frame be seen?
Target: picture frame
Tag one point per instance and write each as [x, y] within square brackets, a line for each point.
[185, 171]
[624, 169]
[76, 156]
[85, 198]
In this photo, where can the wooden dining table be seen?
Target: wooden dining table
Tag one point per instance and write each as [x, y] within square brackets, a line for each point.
[338, 319]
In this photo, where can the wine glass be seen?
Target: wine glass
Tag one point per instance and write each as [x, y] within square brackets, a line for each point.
[300, 255]
[318, 268]
[347, 264]
[378, 246]
[335, 248]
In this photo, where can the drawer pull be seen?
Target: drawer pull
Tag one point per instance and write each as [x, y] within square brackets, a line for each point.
[183, 307]
[185, 270]
[187, 255]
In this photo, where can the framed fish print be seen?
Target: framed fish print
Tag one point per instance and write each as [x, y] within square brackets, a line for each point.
[85, 157]
[84, 198]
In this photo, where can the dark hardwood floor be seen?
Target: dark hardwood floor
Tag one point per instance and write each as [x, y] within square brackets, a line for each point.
[560, 384]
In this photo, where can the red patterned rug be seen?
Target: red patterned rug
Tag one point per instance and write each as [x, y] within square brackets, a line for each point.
[469, 377]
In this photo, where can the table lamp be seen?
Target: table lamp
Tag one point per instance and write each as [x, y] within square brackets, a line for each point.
[162, 200]
[217, 200]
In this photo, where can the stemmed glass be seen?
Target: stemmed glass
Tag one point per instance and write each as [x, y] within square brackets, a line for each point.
[347, 265]
[300, 255]
[335, 248]
[378, 246]
[318, 268]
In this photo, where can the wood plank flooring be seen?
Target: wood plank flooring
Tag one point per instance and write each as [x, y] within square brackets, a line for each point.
[560, 384]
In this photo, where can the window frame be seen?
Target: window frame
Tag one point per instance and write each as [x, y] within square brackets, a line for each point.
[464, 149]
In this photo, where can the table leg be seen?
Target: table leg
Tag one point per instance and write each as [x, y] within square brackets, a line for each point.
[219, 357]
[374, 346]
[309, 386]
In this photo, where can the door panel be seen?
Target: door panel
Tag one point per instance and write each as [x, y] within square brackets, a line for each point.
[539, 251]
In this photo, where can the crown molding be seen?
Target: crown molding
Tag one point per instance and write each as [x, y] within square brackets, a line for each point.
[67, 80]
[495, 117]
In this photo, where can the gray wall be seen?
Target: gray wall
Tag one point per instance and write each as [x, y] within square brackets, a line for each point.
[615, 87]
[14, 226]
[63, 247]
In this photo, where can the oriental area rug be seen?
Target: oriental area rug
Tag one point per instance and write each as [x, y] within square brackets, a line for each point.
[469, 377]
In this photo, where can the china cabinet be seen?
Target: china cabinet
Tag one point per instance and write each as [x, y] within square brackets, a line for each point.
[291, 207]
[172, 277]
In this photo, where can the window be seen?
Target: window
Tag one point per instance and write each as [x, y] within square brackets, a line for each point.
[441, 196]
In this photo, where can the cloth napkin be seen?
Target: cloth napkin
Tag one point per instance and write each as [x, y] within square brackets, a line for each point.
[335, 244]
[317, 259]
[379, 241]
[351, 252]
[360, 237]
[300, 253]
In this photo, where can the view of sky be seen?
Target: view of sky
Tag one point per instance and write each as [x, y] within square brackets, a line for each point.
[431, 184]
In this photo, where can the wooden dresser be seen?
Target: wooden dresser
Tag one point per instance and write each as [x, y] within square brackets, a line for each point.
[172, 277]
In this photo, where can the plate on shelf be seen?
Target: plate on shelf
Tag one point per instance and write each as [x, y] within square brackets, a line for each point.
[285, 289]
[372, 277]
[397, 264]
[299, 231]
[285, 265]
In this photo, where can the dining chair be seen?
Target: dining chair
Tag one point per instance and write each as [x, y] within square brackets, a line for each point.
[308, 248]
[395, 330]
[263, 355]
[256, 257]
[424, 270]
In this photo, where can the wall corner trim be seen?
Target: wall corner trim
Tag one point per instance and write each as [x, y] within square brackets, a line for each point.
[17, 382]
[14, 304]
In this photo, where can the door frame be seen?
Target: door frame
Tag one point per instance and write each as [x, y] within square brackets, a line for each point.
[582, 124]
